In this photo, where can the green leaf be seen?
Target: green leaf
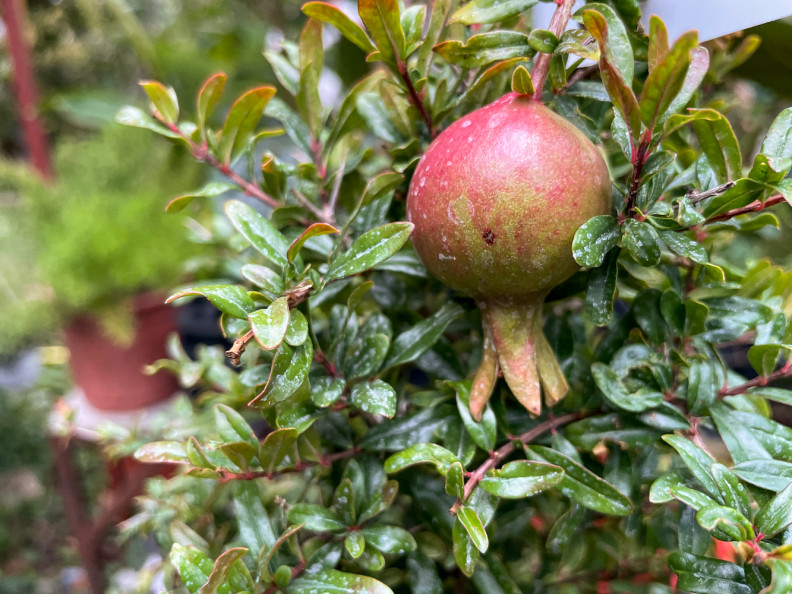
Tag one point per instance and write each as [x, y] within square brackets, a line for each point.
[162, 451]
[740, 440]
[209, 190]
[255, 530]
[777, 514]
[670, 486]
[315, 518]
[719, 144]
[261, 234]
[474, 527]
[773, 475]
[583, 486]
[241, 120]
[327, 13]
[684, 246]
[314, 230]
[521, 478]
[277, 446]
[355, 544]
[164, 100]
[137, 118]
[617, 44]
[658, 41]
[782, 576]
[465, 552]
[230, 299]
[764, 357]
[297, 331]
[665, 80]
[390, 540]
[288, 373]
[412, 343]
[422, 453]
[423, 576]
[705, 575]
[704, 383]
[594, 239]
[326, 391]
[269, 325]
[193, 565]
[455, 480]
[412, 20]
[578, 42]
[543, 40]
[601, 290]
[614, 390]
[226, 565]
[483, 433]
[364, 355]
[696, 459]
[733, 493]
[697, 70]
[370, 249]
[331, 581]
[406, 431]
[382, 18]
[778, 142]
[521, 81]
[485, 48]
[375, 397]
[490, 11]
[641, 240]
[208, 97]
[233, 427]
[725, 521]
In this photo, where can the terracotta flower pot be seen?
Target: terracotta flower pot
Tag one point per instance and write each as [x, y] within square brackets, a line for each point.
[111, 375]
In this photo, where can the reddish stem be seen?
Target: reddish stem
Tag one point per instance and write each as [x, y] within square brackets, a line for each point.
[416, 101]
[507, 449]
[299, 467]
[25, 86]
[762, 380]
[558, 25]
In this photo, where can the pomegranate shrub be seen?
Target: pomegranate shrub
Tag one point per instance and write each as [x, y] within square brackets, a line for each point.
[477, 312]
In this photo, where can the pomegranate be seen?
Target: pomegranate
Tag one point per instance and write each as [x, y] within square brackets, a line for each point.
[496, 200]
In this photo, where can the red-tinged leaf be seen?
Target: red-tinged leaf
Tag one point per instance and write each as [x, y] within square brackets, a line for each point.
[208, 191]
[314, 230]
[666, 79]
[327, 13]
[242, 120]
[229, 561]
[658, 41]
[620, 93]
[699, 64]
[382, 18]
[164, 100]
[208, 97]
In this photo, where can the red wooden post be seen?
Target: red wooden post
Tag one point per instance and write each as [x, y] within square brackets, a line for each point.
[14, 16]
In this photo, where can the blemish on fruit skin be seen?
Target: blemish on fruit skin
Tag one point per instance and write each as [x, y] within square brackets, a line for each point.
[488, 236]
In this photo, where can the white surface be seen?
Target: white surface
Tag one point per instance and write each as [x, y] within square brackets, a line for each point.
[74, 415]
[712, 18]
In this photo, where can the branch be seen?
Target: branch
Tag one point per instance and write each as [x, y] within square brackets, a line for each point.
[696, 197]
[506, 450]
[762, 380]
[558, 25]
[239, 346]
[415, 99]
[201, 153]
[328, 460]
[755, 206]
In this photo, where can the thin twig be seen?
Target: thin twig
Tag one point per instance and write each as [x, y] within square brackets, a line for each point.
[308, 204]
[328, 460]
[239, 346]
[580, 74]
[696, 197]
[762, 380]
[415, 99]
[507, 449]
[558, 25]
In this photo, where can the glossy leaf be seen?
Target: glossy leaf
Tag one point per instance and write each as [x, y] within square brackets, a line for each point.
[485, 48]
[581, 485]
[641, 240]
[521, 81]
[315, 518]
[410, 344]
[390, 540]
[269, 325]
[208, 98]
[698, 461]
[704, 575]
[288, 373]
[370, 249]
[465, 552]
[777, 514]
[617, 45]
[232, 426]
[475, 528]
[732, 491]
[242, 119]
[483, 432]
[375, 397]
[455, 480]
[315, 230]
[261, 234]
[331, 581]
[226, 565]
[382, 19]
[164, 100]
[490, 11]
[162, 451]
[422, 453]
[210, 190]
[611, 386]
[521, 478]
[327, 13]
[193, 565]
[601, 290]
[725, 521]
[230, 299]
[594, 239]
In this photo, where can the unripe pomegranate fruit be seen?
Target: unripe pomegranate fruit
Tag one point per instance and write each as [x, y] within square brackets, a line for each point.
[496, 200]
